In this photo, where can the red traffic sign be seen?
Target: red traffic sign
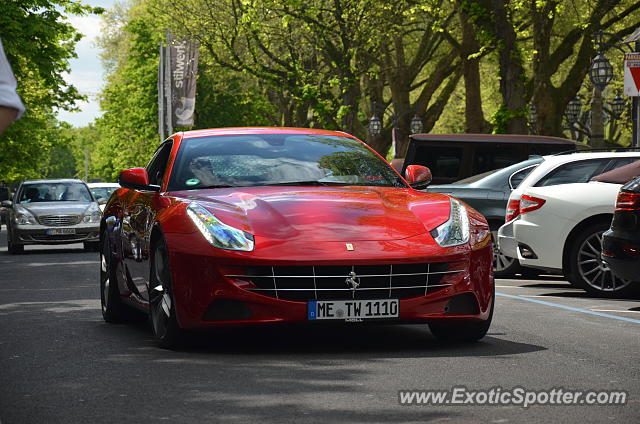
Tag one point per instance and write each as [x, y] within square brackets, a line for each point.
[632, 74]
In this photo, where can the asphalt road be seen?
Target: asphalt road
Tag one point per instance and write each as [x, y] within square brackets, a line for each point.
[60, 363]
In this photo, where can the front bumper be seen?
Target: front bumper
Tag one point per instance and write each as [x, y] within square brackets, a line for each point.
[622, 256]
[206, 295]
[39, 234]
[507, 243]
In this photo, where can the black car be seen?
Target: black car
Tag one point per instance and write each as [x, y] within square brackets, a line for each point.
[621, 243]
[452, 157]
[488, 194]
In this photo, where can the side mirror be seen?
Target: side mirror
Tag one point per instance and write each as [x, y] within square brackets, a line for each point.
[418, 176]
[137, 179]
[7, 203]
[102, 201]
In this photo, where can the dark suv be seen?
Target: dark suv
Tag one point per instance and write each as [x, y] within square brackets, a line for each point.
[452, 157]
[621, 244]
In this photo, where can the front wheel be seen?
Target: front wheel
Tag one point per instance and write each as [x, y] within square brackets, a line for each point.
[462, 331]
[114, 309]
[162, 309]
[13, 248]
[588, 271]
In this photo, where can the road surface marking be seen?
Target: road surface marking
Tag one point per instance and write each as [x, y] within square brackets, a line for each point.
[616, 310]
[570, 308]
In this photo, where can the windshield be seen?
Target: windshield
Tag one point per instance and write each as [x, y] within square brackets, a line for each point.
[278, 159]
[102, 192]
[54, 192]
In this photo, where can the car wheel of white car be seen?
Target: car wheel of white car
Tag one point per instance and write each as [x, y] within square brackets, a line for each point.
[589, 271]
[503, 266]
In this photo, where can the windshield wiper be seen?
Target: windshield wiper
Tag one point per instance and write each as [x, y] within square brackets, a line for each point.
[305, 183]
[215, 186]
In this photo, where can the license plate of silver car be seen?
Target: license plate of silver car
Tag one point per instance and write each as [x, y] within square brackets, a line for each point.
[353, 310]
[59, 231]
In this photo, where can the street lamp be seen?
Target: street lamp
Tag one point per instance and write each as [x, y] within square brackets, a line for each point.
[574, 107]
[617, 106]
[601, 72]
[375, 125]
[416, 126]
[533, 118]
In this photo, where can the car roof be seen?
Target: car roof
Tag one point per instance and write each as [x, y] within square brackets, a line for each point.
[91, 185]
[565, 158]
[553, 161]
[261, 130]
[493, 138]
[49, 181]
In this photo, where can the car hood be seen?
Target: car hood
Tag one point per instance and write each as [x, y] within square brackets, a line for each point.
[56, 208]
[326, 213]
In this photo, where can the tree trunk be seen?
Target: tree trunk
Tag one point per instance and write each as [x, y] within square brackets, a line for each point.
[474, 116]
[512, 76]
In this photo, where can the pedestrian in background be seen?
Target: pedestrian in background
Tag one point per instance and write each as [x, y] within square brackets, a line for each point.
[11, 107]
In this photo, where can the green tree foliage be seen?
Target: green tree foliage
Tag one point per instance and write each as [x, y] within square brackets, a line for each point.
[39, 42]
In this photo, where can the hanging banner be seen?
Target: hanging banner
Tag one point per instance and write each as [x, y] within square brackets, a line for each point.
[632, 74]
[183, 59]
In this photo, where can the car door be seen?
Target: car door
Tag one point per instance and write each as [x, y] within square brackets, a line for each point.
[138, 220]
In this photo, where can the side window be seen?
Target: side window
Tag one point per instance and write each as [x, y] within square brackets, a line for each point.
[442, 161]
[516, 178]
[574, 172]
[158, 165]
[486, 159]
[617, 163]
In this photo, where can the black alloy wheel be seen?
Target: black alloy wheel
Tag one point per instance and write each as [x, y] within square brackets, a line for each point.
[114, 310]
[162, 311]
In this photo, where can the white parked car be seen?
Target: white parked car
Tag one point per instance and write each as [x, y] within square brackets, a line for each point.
[102, 191]
[556, 217]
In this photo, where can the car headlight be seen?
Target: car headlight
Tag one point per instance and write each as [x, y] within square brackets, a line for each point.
[92, 214]
[24, 217]
[456, 230]
[217, 233]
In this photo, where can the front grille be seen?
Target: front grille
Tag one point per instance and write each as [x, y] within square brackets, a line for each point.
[59, 237]
[59, 220]
[303, 283]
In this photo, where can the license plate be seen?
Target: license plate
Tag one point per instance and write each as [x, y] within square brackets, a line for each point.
[59, 231]
[353, 310]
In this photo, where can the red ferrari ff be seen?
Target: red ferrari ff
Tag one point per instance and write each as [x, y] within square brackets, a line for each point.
[250, 226]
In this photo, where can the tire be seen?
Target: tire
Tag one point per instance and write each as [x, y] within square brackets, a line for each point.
[13, 248]
[162, 309]
[462, 331]
[503, 266]
[114, 310]
[92, 246]
[588, 271]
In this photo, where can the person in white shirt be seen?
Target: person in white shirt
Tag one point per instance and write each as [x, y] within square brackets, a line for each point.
[11, 107]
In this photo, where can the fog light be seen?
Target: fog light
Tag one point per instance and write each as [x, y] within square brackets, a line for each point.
[526, 252]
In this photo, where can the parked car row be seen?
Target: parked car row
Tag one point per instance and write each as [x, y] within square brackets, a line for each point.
[556, 217]
[57, 211]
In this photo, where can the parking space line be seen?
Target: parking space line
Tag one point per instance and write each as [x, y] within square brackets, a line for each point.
[569, 308]
[616, 310]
